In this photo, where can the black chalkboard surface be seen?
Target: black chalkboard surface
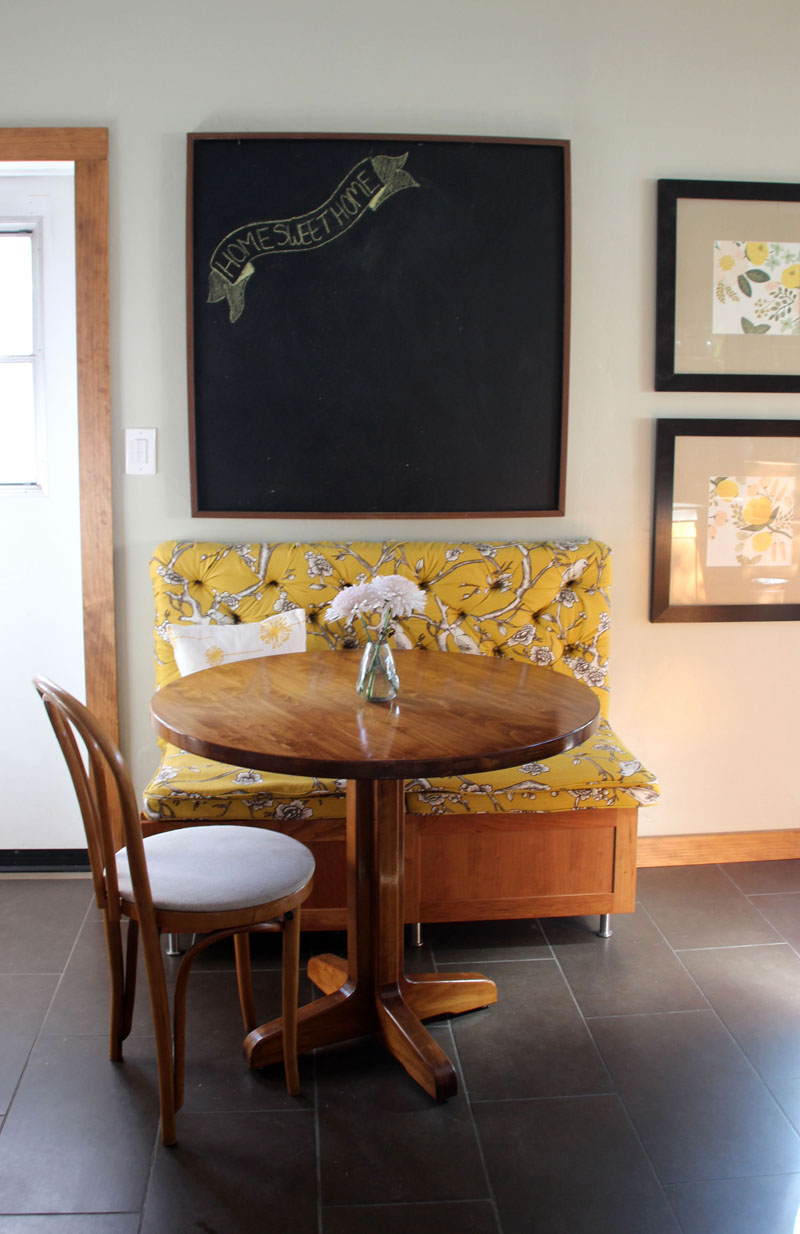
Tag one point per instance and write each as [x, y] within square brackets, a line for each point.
[377, 325]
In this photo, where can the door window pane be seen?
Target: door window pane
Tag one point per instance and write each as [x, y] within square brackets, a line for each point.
[19, 456]
[17, 424]
[16, 294]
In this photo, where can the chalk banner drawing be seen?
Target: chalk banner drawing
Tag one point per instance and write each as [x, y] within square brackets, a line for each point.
[756, 287]
[750, 520]
[366, 187]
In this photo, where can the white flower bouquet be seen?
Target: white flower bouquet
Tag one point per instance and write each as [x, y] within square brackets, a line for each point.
[391, 595]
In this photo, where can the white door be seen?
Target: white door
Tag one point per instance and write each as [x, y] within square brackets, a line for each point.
[40, 600]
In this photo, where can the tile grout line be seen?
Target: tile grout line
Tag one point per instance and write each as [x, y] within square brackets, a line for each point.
[752, 895]
[731, 1178]
[758, 909]
[717, 1015]
[616, 1091]
[54, 973]
[769, 895]
[544, 1097]
[405, 1203]
[668, 1190]
[148, 1182]
[317, 1142]
[722, 867]
[38, 1033]
[779, 942]
[479, 1143]
[583, 1018]
[531, 959]
[640, 1015]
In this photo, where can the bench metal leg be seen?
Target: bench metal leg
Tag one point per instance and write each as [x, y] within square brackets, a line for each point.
[174, 944]
[605, 930]
[416, 934]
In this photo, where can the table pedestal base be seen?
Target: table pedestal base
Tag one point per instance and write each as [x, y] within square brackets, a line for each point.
[370, 992]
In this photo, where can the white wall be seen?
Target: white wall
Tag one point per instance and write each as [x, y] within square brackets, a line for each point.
[693, 89]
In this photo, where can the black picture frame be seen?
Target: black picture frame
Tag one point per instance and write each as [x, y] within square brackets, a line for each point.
[418, 365]
[702, 341]
[705, 565]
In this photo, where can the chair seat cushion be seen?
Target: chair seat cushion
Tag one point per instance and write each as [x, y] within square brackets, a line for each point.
[219, 868]
[601, 772]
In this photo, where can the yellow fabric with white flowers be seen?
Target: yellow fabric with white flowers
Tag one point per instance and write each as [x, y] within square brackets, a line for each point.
[544, 602]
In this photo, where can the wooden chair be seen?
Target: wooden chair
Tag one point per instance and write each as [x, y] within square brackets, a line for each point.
[211, 881]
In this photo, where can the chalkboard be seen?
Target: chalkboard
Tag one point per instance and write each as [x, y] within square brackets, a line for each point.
[377, 325]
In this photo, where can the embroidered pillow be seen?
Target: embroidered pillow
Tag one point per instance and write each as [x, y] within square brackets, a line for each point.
[202, 645]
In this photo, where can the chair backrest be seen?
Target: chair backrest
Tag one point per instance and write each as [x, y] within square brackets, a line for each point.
[100, 779]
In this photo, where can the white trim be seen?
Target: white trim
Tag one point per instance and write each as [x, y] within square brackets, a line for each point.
[64, 168]
[30, 205]
[32, 225]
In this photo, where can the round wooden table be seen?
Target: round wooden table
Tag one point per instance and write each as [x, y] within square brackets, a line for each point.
[300, 714]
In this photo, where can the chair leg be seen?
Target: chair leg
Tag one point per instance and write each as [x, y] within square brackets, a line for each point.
[129, 993]
[178, 1039]
[116, 969]
[199, 943]
[179, 1029]
[291, 983]
[244, 977]
[159, 1002]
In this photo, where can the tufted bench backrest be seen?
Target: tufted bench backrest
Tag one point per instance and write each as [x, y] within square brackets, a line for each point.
[544, 601]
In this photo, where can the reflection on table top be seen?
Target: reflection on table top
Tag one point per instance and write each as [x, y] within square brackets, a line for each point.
[301, 715]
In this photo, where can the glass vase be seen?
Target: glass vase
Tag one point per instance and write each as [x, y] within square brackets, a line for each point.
[377, 675]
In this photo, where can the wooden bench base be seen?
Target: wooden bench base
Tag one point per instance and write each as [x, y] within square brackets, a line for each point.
[483, 867]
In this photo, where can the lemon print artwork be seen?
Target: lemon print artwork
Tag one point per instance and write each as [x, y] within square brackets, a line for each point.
[756, 252]
[757, 511]
[750, 520]
[756, 288]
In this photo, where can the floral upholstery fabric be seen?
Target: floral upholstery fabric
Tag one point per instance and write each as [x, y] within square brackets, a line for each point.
[601, 772]
[187, 787]
[544, 602]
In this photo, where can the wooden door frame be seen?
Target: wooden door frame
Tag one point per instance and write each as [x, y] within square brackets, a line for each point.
[87, 148]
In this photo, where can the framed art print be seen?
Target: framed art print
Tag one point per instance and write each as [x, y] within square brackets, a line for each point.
[726, 535]
[377, 325]
[728, 286]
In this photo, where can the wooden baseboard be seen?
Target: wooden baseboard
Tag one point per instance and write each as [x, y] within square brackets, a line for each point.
[692, 850]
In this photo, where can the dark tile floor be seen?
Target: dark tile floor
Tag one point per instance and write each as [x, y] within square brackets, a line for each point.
[647, 1084]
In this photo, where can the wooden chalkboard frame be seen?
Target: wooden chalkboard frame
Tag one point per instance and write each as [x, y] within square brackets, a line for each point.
[501, 449]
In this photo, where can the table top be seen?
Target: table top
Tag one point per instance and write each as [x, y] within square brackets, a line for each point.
[300, 714]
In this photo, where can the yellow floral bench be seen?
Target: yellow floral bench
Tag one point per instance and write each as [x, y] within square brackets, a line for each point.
[549, 838]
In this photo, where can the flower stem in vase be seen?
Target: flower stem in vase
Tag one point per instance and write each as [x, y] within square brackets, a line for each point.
[391, 595]
[377, 678]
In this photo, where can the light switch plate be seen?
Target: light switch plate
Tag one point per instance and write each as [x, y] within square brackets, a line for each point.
[140, 451]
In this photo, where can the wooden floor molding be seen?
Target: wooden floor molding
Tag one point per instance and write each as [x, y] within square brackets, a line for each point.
[692, 850]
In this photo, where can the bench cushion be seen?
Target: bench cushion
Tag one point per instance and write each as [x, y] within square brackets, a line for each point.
[601, 772]
[545, 603]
